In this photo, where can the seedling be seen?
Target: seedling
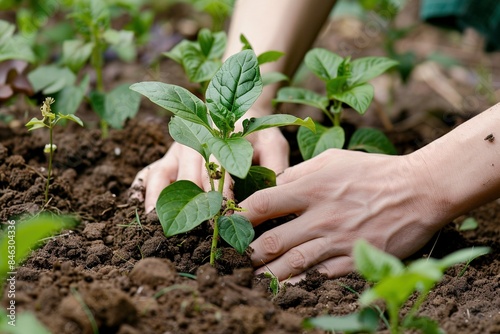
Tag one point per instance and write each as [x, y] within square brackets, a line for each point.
[202, 58]
[209, 128]
[346, 82]
[92, 23]
[394, 284]
[49, 120]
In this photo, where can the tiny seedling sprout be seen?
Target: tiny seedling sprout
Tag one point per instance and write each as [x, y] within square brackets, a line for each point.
[49, 120]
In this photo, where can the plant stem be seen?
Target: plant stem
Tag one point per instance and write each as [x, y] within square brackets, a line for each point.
[393, 319]
[336, 120]
[49, 171]
[215, 236]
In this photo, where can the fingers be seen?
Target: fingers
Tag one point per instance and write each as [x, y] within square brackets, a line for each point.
[305, 168]
[288, 253]
[332, 267]
[272, 203]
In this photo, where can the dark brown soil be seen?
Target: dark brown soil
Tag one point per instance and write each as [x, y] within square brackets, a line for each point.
[133, 279]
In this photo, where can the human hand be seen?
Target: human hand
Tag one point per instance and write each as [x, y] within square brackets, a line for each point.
[341, 196]
[183, 163]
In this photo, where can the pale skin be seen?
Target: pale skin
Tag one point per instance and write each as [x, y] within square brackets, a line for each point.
[397, 203]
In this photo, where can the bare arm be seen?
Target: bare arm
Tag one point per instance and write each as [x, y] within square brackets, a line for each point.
[282, 25]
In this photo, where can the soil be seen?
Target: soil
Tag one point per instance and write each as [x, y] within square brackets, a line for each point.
[135, 280]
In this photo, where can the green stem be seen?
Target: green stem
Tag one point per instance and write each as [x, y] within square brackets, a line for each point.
[215, 236]
[49, 171]
[215, 239]
[393, 319]
[336, 119]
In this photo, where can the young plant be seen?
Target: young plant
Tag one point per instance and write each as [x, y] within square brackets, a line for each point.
[49, 120]
[94, 36]
[209, 128]
[202, 58]
[346, 82]
[395, 284]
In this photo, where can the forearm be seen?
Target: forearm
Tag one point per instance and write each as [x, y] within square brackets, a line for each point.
[463, 168]
[282, 25]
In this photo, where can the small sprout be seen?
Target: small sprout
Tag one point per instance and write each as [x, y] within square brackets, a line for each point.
[49, 120]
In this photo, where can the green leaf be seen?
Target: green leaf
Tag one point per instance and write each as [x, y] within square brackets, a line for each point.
[26, 322]
[367, 68]
[372, 141]
[336, 85]
[463, 255]
[245, 42]
[270, 121]
[301, 96]
[468, 224]
[373, 263]
[121, 103]
[313, 143]
[323, 63]
[234, 154]
[258, 178]
[70, 97]
[26, 236]
[269, 78]
[176, 99]
[190, 134]
[394, 290]
[122, 42]
[176, 54]
[72, 118]
[234, 89]
[51, 79]
[206, 41]
[237, 231]
[183, 205]
[269, 57]
[358, 97]
[35, 123]
[424, 324]
[76, 53]
[365, 321]
[14, 46]
[198, 68]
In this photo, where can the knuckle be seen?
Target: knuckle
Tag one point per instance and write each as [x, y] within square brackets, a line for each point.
[271, 244]
[296, 260]
[260, 204]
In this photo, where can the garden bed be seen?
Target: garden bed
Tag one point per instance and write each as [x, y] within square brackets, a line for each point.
[119, 265]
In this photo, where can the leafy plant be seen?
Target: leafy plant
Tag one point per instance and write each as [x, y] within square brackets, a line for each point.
[92, 38]
[394, 284]
[49, 120]
[346, 82]
[202, 58]
[16, 243]
[209, 128]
